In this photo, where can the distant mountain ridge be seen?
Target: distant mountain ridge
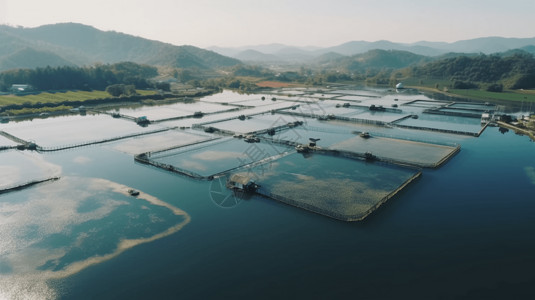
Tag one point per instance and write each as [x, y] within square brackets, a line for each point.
[378, 59]
[29, 58]
[78, 44]
[486, 45]
[72, 44]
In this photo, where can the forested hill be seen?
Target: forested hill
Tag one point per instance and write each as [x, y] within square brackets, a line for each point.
[77, 44]
[376, 59]
[80, 78]
[515, 71]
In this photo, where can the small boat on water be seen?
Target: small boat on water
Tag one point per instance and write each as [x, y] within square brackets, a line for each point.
[251, 138]
[364, 134]
[133, 192]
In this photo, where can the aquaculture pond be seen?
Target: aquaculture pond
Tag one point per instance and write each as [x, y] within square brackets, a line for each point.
[403, 151]
[66, 131]
[213, 157]
[444, 122]
[338, 187]
[19, 168]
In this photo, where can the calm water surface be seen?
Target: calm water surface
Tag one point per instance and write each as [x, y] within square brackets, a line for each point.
[464, 231]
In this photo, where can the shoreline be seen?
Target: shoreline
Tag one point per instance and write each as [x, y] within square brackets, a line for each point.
[528, 132]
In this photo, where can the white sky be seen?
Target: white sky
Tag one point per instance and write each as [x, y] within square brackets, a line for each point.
[323, 23]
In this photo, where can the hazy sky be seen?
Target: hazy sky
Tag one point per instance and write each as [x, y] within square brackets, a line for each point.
[206, 23]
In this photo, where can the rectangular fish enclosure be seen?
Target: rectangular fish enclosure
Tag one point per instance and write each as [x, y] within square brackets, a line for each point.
[336, 187]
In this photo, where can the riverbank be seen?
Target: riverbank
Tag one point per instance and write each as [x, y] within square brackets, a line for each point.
[525, 131]
[50, 105]
[517, 96]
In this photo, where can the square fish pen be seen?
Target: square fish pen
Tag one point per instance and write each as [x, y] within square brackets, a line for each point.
[66, 132]
[23, 169]
[207, 160]
[398, 151]
[336, 187]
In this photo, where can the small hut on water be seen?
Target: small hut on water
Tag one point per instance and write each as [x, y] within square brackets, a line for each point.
[242, 182]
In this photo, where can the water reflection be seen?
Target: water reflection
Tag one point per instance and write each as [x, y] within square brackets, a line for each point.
[58, 229]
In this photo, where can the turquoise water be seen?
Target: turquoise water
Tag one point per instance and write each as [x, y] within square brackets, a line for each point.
[253, 123]
[218, 156]
[473, 106]
[462, 111]
[162, 112]
[343, 188]
[463, 124]
[64, 131]
[463, 231]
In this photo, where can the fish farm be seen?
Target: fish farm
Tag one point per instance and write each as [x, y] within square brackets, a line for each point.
[340, 152]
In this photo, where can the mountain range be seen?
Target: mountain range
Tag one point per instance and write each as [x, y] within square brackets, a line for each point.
[77, 44]
[283, 53]
[72, 44]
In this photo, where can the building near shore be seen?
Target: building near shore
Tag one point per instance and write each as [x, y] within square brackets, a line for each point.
[21, 88]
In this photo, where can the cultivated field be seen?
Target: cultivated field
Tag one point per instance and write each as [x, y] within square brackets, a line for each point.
[58, 97]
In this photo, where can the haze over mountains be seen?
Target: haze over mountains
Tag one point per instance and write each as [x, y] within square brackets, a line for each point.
[79, 45]
[279, 52]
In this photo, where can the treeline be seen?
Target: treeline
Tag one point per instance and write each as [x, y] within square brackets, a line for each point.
[514, 72]
[243, 78]
[96, 77]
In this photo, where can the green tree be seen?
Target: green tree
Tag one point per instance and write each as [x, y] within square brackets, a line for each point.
[115, 90]
[495, 87]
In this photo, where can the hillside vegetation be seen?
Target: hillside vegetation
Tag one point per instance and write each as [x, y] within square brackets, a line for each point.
[513, 72]
[377, 59]
[87, 78]
[49, 58]
[77, 44]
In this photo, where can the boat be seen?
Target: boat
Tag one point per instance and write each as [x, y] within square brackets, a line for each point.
[142, 120]
[364, 134]
[133, 192]
[252, 138]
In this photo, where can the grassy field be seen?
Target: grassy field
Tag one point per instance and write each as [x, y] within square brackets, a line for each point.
[509, 95]
[47, 97]
[482, 95]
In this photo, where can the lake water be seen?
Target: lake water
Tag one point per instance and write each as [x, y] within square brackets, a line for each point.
[463, 231]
